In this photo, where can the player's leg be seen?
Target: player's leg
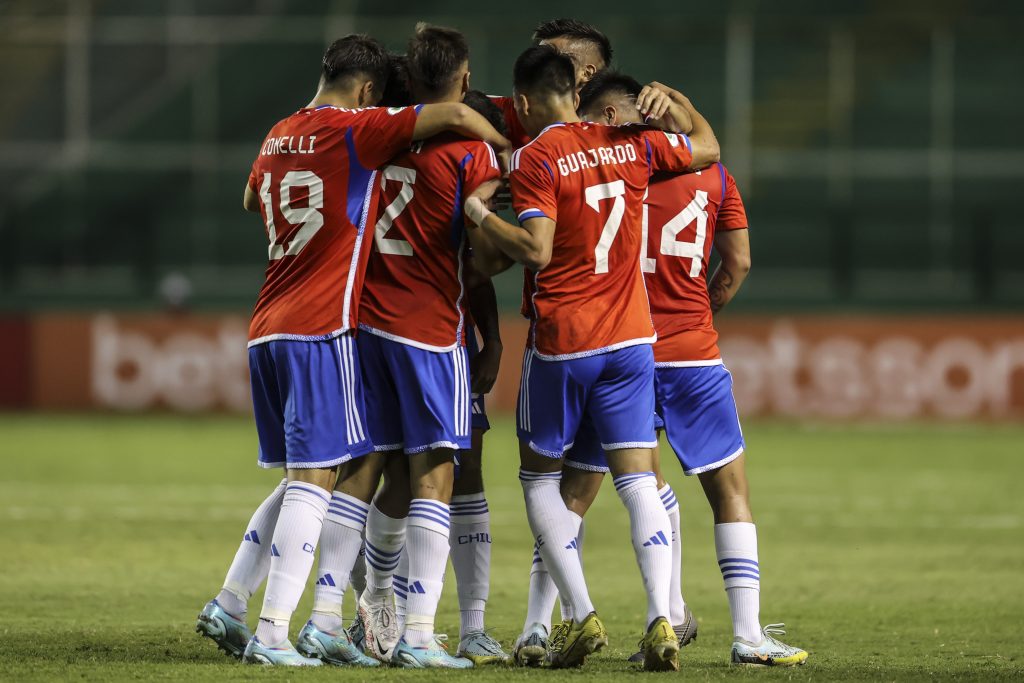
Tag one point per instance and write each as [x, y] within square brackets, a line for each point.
[315, 383]
[551, 400]
[470, 548]
[582, 475]
[622, 408]
[223, 619]
[324, 635]
[702, 425]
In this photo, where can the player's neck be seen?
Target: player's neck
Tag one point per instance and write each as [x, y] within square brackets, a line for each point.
[334, 98]
[423, 97]
[550, 116]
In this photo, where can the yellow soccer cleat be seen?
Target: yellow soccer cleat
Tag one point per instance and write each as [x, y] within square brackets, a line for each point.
[660, 647]
[580, 639]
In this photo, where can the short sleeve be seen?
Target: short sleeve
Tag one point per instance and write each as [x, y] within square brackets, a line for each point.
[668, 151]
[732, 215]
[533, 186]
[479, 166]
[516, 133]
[379, 134]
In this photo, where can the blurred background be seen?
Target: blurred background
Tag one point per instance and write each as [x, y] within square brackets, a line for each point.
[878, 146]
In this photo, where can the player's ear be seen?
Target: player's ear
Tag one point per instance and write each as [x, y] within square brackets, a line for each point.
[609, 115]
[368, 95]
[576, 100]
[465, 83]
[522, 103]
[589, 70]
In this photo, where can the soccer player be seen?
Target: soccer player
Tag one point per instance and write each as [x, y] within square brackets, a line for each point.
[312, 182]
[685, 215]
[415, 365]
[578, 190]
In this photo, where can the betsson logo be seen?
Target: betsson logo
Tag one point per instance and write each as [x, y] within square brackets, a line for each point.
[188, 370]
[891, 377]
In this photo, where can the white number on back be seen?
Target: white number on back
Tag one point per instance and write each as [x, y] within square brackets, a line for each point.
[386, 245]
[309, 219]
[594, 194]
[671, 245]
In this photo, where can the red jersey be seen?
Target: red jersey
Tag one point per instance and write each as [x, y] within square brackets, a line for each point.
[314, 175]
[414, 290]
[590, 180]
[517, 135]
[682, 213]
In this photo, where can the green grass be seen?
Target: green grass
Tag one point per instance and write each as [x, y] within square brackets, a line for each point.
[892, 552]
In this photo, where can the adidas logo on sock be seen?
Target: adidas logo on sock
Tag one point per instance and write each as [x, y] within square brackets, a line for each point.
[657, 539]
[417, 587]
[326, 580]
[572, 545]
[252, 536]
[273, 551]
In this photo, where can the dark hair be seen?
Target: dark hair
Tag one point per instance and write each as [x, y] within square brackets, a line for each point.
[397, 94]
[543, 69]
[577, 30]
[485, 106]
[356, 55]
[435, 55]
[605, 83]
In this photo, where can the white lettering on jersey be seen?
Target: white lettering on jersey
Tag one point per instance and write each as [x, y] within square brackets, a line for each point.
[288, 144]
[592, 158]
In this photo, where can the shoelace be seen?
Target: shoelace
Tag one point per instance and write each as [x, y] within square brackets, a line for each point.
[487, 641]
[442, 640]
[774, 630]
[559, 634]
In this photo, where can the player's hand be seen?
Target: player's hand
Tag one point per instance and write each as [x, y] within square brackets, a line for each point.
[483, 370]
[653, 102]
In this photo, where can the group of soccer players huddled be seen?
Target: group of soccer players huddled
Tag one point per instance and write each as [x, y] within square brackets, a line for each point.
[375, 337]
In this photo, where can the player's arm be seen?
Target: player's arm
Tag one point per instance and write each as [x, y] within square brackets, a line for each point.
[703, 143]
[734, 248]
[664, 108]
[487, 259]
[483, 304]
[250, 201]
[456, 118]
[529, 244]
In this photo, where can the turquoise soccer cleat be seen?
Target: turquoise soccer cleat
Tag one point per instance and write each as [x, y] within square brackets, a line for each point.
[434, 656]
[333, 648]
[770, 652]
[229, 632]
[283, 655]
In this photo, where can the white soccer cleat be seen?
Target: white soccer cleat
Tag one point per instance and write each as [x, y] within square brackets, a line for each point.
[380, 622]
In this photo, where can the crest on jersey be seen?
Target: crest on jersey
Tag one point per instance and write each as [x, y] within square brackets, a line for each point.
[394, 110]
[673, 139]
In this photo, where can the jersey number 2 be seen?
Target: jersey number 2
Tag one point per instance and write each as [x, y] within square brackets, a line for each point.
[671, 245]
[309, 219]
[388, 245]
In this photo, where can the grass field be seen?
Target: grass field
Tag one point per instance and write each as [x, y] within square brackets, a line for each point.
[891, 552]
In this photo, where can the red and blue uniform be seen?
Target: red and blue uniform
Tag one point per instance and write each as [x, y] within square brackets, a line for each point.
[591, 333]
[314, 177]
[413, 318]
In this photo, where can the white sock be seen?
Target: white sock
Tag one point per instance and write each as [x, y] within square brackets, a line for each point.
[736, 548]
[340, 543]
[470, 544]
[554, 531]
[252, 561]
[543, 592]
[676, 604]
[401, 582]
[652, 538]
[385, 537]
[427, 547]
[291, 556]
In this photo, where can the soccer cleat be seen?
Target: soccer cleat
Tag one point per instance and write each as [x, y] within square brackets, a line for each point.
[283, 655]
[481, 649]
[770, 652]
[581, 639]
[434, 656]
[660, 647]
[333, 648]
[531, 646]
[686, 633]
[229, 632]
[357, 632]
[380, 624]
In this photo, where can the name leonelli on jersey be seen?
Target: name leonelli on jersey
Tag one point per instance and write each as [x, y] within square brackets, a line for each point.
[286, 145]
[594, 157]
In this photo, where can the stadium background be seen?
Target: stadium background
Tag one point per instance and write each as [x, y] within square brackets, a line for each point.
[879, 149]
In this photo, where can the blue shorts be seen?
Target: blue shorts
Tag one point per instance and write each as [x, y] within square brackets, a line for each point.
[614, 389]
[416, 400]
[479, 419]
[698, 411]
[307, 398]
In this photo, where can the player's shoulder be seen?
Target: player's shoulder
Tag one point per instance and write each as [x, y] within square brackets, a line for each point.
[542, 147]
